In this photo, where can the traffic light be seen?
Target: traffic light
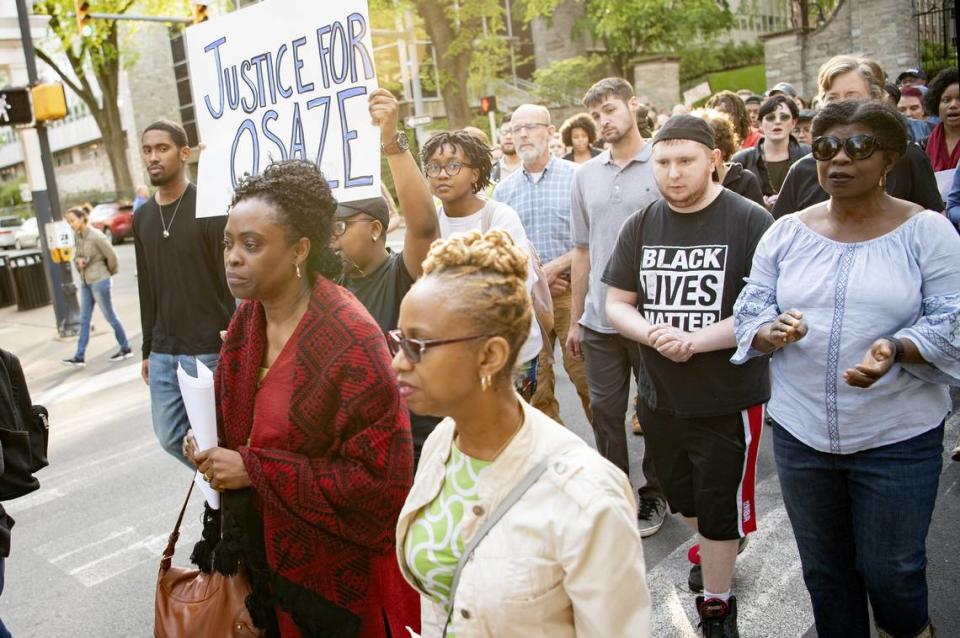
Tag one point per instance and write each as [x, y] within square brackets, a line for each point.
[200, 13]
[83, 14]
[488, 104]
[49, 102]
[15, 106]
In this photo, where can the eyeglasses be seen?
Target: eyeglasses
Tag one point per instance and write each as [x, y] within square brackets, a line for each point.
[340, 226]
[529, 128]
[858, 147]
[414, 349]
[452, 169]
[773, 117]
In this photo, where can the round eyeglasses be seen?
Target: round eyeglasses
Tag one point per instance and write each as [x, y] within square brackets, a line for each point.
[452, 169]
[340, 225]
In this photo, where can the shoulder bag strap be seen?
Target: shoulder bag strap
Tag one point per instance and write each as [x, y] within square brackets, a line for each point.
[175, 535]
[508, 502]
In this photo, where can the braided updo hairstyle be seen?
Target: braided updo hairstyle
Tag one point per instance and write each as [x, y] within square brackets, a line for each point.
[488, 275]
[305, 206]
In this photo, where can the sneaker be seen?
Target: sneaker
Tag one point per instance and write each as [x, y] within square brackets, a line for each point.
[955, 454]
[695, 579]
[121, 355]
[718, 619]
[651, 514]
[74, 361]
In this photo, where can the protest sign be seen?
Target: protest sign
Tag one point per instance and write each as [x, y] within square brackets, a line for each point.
[284, 79]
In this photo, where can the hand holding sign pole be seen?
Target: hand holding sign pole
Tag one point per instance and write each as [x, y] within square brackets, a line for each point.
[297, 90]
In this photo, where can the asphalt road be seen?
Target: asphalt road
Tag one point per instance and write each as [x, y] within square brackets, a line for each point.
[86, 546]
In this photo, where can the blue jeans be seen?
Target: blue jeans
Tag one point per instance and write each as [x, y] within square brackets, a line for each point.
[4, 632]
[170, 421]
[861, 524]
[98, 293]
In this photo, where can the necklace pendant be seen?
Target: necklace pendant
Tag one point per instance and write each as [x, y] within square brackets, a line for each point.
[166, 233]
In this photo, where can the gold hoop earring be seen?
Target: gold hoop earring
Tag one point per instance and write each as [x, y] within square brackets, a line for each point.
[485, 382]
[297, 266]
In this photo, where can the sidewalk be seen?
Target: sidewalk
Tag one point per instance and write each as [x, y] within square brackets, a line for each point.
[32, 335]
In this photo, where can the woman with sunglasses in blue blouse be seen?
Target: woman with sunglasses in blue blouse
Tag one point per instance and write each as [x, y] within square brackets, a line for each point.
[858, 300]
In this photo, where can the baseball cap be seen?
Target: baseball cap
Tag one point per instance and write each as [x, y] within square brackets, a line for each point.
[783, 87]
[376, 207]
[911, 73]
[806, 114]
[753, 99]
[686, 127]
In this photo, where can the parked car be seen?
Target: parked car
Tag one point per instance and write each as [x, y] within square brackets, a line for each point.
[8, 231]
[28, 236]
[114, 220]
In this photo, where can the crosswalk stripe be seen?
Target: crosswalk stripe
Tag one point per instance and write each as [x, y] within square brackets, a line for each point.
[88, 385]
[112, 466]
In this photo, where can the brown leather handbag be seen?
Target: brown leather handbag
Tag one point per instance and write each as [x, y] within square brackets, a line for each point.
[191, 603]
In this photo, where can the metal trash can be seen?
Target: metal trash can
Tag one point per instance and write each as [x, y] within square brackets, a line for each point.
[30, 280]
[8, 292]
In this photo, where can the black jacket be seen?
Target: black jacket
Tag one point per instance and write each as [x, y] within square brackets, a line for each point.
[911, 179]
[743, 183]
[752, 160]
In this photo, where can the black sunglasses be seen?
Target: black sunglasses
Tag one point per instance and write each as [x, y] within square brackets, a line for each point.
[414, 349]
[857, 147]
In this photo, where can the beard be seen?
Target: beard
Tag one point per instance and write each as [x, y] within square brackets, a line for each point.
[509, 150]
[161, 179]
[615, 136]
[695, 194]
[530, 154]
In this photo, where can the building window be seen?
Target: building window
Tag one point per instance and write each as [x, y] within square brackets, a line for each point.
[63, 158]
[89, 153]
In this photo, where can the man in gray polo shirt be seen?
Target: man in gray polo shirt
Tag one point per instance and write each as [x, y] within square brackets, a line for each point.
[606, 191]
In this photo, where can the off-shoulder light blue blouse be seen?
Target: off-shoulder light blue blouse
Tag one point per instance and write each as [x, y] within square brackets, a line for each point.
[905, 283]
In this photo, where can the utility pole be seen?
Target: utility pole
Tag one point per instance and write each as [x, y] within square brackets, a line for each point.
[46, 202]
[410, 33]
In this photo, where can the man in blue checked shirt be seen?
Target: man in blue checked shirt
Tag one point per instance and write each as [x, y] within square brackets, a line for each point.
[541, 193]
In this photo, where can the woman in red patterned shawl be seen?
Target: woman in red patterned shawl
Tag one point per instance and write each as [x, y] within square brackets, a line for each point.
[316, 455]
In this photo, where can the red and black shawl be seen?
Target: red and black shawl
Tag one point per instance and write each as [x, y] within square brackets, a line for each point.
[329, 495]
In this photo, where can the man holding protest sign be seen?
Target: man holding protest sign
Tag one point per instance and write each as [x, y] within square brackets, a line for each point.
[376, 275]
[184, 299]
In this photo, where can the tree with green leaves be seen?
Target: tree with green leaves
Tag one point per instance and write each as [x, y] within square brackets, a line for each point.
[95, 59]
[628, 28]
[565, 81]
[467, 38]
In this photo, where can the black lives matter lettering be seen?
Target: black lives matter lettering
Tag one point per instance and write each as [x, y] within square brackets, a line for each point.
[683, 285]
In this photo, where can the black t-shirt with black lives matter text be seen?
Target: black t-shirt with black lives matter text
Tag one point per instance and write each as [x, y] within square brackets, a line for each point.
[688, 269]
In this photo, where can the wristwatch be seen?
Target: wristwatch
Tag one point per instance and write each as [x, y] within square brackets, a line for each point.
[897, 349]
[399, 144]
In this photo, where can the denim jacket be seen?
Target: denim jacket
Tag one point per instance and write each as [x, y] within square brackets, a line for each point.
[566, 560]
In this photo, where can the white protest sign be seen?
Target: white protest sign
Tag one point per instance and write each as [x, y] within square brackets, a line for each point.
[698, 92]
[284, 79]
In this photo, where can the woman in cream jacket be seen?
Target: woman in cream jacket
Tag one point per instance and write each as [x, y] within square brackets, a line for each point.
[565, 559]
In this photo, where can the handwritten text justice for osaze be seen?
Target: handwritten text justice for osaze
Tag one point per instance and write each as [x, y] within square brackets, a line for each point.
[340, 48]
